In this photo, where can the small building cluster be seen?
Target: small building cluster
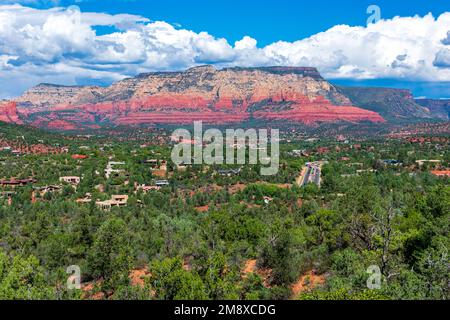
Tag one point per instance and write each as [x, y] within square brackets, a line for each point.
[115, 201]
[111, 170]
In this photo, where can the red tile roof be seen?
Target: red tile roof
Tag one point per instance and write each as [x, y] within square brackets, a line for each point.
[441, 173]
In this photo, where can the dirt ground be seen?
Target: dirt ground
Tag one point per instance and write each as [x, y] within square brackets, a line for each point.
[307, 282]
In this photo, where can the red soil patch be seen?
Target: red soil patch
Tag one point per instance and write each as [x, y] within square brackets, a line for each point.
[137, 277]
[89, 288]
[237, 188]
[202, 209]
[278, 185]
[251, 267]
[159, 173]
[307, 283]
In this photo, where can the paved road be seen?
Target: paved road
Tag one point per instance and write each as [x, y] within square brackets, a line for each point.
[311, 173]
[307, 177]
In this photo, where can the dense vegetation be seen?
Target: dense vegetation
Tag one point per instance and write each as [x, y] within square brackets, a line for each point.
[395, 217]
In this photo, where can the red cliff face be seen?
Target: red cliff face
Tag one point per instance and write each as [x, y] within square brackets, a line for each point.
[314, 113]
[8, 113]
[213, 96]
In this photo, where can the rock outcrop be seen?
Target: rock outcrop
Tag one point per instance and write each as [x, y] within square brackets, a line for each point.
[8, 112]
[45, 95]
[202, 93]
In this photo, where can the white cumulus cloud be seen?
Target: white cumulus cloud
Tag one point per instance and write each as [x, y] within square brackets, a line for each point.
[62, 45]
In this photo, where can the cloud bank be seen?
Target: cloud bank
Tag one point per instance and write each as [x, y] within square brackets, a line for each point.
[63, 45]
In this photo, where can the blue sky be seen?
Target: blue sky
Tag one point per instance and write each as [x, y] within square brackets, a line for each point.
[265, 20]
[411, 51]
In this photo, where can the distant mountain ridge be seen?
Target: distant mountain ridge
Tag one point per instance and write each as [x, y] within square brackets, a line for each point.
[392, 104]
[230, 95]
[440, 108]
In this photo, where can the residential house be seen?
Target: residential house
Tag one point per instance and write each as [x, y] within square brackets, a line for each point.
[110, 170]
[115, 201]
[422, 162]
[71, 180]
[14, 182]
[47, 189]
[87, 199]
[162, 183]
[146, 189]
[229, 172]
